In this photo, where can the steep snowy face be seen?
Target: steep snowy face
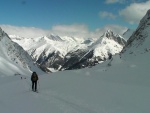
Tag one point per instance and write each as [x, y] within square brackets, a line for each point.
[13, 57]
[116, 37]
[139, 41]
[109, 43]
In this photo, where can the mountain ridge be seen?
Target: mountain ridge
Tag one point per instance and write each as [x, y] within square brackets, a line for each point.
[53, 51]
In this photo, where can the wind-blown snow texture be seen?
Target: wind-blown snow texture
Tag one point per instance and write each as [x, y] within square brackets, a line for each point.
[123, 86]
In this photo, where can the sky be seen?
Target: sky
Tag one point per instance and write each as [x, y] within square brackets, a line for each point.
[61, 16]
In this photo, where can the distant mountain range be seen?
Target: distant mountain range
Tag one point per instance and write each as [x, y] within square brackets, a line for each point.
[54, 53]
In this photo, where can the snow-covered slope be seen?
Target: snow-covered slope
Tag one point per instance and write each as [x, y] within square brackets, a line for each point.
[122, 87]
[13, 57]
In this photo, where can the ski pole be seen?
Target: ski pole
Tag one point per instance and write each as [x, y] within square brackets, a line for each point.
[39, 84]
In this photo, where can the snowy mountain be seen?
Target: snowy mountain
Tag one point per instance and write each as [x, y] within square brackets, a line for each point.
[109, 43]
[100, 50]
[13, 55]
[48, 51]
[53, 53]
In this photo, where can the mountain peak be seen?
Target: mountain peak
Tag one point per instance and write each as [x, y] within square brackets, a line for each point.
[1, 31]
[54, 37]
[109, 34]
[109, 31]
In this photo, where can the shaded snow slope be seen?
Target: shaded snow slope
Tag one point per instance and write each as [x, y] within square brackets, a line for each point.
[13, 58]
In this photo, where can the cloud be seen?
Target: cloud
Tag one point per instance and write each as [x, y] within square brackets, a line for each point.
[77, 30]
[134, 12]
[105, 14]
[74, 30]
[114, 1]
[28, 32]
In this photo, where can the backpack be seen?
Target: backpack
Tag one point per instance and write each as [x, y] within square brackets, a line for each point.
[34, 77]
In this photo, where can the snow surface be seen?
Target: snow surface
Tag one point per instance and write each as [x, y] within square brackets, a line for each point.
[122, 87]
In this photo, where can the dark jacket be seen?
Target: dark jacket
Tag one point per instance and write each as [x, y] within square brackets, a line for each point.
[34, 77]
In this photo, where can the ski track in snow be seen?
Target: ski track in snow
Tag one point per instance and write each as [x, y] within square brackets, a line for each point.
[66, 104]
[61, 102]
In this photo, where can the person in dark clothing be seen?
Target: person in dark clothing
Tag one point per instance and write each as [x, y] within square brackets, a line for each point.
[34, 79]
